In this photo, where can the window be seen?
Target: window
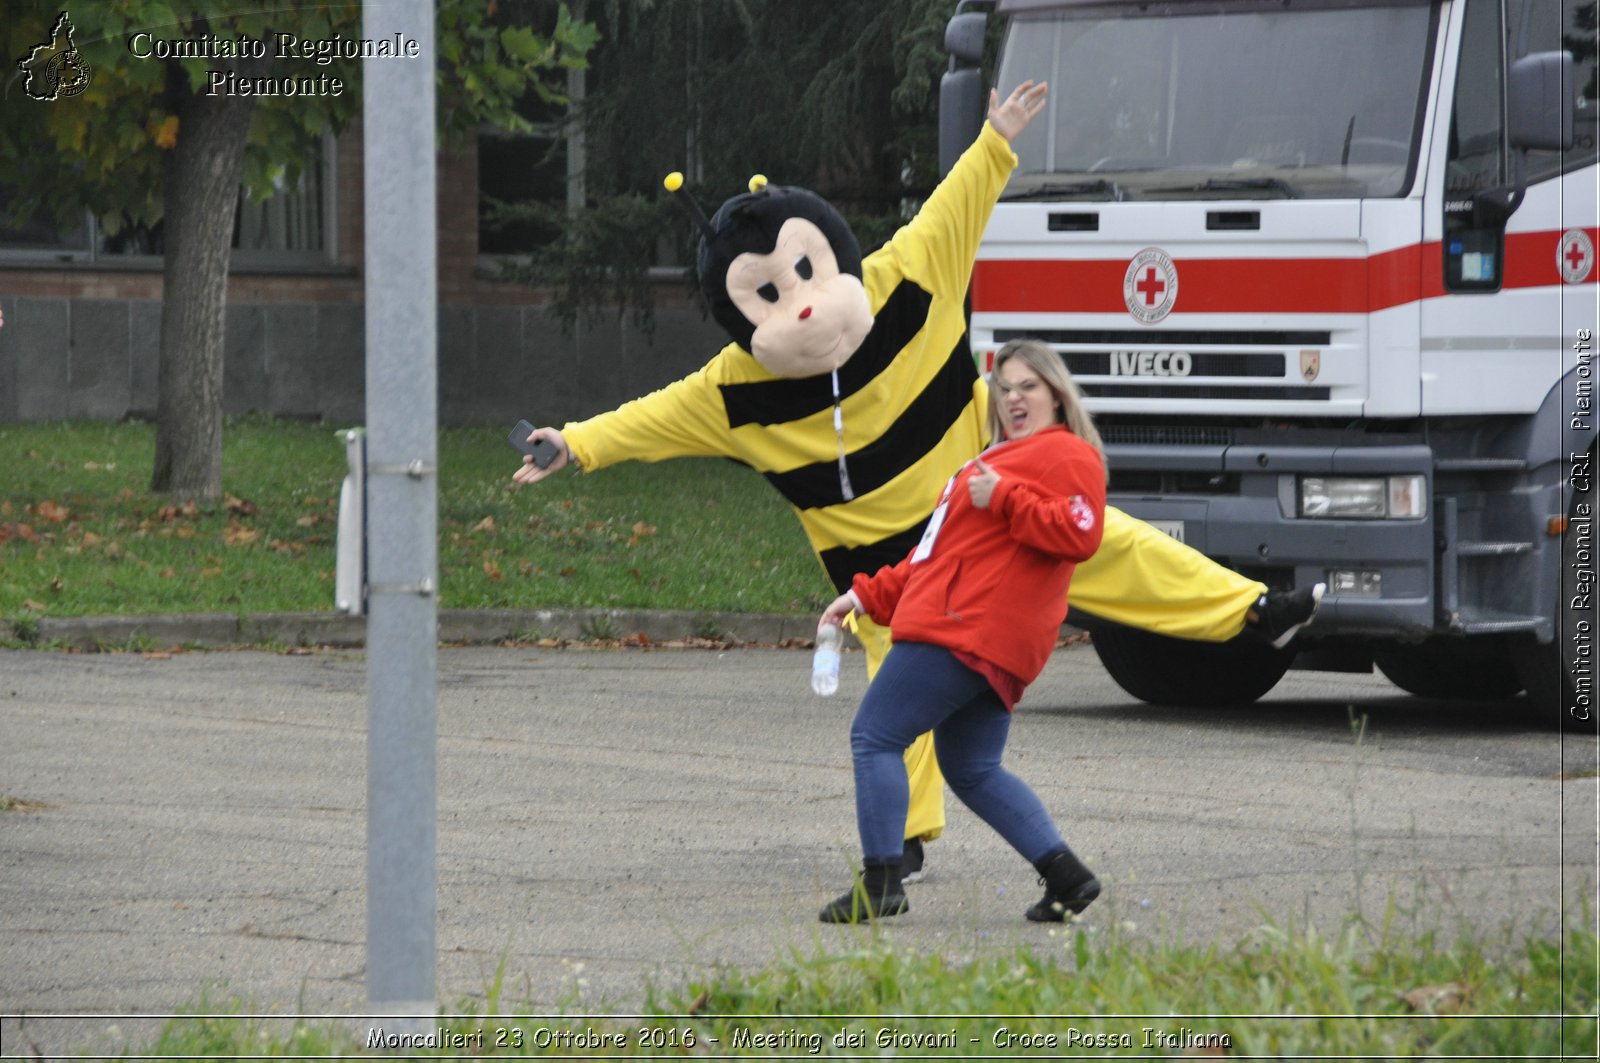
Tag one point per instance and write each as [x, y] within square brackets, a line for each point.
[1474, 240]
[1320, 100]
[525, 178]
[1552, 25]
[293, 227]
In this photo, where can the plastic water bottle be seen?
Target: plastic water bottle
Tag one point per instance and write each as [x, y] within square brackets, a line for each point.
[825, 662]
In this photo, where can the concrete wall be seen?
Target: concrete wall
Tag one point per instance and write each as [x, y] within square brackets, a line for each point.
[97, 359]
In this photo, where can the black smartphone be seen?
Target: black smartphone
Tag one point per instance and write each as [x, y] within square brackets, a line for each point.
[543, 451]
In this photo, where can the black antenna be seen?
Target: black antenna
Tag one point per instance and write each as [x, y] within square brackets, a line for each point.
[674, 184]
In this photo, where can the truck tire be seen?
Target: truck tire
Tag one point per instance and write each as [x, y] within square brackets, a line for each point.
[1461, 669]
[1168, 671]
[1547, 669]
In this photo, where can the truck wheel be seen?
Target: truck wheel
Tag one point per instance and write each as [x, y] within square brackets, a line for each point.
[1547, 668]
[1462, 669]
[1168, 671]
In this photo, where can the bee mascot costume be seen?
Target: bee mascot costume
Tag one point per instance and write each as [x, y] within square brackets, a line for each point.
[849, 385]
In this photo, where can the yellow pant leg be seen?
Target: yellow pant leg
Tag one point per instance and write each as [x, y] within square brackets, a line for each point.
[925, 817]
[1146, 579]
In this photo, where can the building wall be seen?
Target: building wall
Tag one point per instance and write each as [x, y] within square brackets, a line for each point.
[83, 342]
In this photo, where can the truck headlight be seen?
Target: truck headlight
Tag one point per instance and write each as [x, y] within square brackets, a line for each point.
[1364, 497]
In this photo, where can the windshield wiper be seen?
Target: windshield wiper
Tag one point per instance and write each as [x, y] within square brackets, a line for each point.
[1236, 184]
[1098, 187]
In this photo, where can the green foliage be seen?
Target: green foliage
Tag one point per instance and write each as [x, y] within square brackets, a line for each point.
[105, 148]
[1279, 994]
[841, 98]
[598, 261]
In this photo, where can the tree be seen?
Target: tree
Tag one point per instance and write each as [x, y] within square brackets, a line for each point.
[839, 97]
[138, 110]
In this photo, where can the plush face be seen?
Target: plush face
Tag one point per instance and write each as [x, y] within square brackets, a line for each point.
[781, 272]
[809, 317]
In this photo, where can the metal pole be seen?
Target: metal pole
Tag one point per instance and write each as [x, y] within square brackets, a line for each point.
[402, 516]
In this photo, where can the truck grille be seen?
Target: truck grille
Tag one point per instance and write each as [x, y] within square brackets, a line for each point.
[1172, 338]
[1166, 435]
[1179, 391]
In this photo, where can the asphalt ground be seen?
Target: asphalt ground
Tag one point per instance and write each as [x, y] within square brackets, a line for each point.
[189, 828]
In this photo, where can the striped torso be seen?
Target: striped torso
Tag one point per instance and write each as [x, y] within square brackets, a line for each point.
[912, 407]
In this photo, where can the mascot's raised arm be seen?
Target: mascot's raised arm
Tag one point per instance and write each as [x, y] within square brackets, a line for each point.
[850, 387]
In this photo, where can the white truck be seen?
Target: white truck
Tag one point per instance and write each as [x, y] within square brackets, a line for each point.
[1325, 270]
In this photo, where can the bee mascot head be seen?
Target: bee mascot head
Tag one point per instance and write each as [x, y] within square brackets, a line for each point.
[782, 274]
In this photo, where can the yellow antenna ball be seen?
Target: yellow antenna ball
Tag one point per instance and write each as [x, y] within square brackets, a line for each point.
[758, 182]
[673, 181]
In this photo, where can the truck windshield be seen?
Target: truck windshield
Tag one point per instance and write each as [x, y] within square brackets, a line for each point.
[1240, 100]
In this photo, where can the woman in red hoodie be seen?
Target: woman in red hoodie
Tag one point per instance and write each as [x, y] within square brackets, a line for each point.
[976, 610]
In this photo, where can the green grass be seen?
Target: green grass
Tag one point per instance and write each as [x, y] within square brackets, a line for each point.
[1360, 993]
[80, 535]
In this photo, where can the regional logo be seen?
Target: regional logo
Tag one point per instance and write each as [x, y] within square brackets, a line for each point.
[55, 69]
[1150, 286]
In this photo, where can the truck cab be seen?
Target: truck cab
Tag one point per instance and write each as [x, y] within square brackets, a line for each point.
[1325, 271]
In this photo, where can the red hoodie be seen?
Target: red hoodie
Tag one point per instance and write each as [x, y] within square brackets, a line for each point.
[994, 582]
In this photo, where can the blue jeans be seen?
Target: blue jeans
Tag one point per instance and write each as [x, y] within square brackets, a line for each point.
[924, 688]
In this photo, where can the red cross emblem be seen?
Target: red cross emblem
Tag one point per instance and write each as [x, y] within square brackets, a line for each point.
[1575, 256]
[1150, 285]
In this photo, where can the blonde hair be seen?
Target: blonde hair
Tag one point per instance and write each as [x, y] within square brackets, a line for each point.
[1044, 361]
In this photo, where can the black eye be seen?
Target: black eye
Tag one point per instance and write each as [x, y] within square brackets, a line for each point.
[769, 292]
[802, 267]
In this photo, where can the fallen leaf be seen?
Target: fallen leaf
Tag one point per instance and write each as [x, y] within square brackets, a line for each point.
[169, 573]
[157, 655]
[48, 510]
[484, 525]
[240, 506]
[308, 521]
[491, 570]
[33, 606]
[1436, 999]
[91, 539]
[207, 573]
[56, 585]
[238, 535]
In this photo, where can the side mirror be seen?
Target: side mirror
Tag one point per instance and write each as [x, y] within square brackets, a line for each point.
[963, 38]
[1539, 101]
[961, 102]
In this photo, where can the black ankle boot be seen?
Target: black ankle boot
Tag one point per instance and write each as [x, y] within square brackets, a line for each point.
[1068, 887]
[877, 893]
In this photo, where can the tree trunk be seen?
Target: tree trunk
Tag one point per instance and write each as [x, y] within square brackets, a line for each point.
[200, 191]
